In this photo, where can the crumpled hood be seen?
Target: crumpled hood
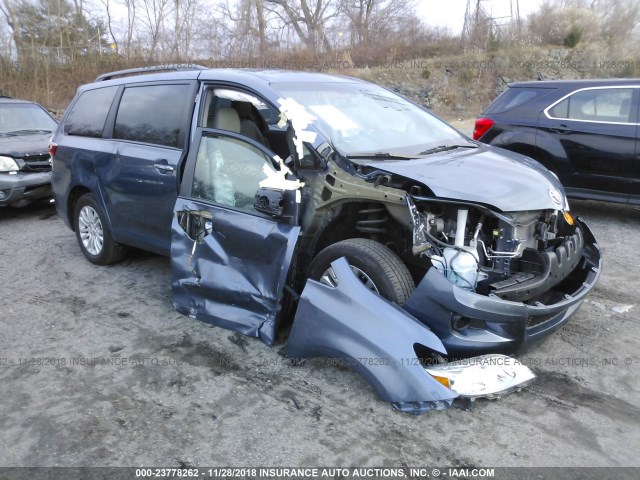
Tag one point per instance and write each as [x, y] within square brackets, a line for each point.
[487, 175]
[22, 145]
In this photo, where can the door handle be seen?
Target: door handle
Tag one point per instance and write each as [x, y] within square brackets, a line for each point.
[562, 129]
[164, 168]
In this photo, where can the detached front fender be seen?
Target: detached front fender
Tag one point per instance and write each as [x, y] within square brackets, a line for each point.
[373, 336]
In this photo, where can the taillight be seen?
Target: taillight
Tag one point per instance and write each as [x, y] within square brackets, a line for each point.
[482, 126]
[52, 149]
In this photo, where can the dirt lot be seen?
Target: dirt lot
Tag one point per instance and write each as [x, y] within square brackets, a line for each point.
[186, 393]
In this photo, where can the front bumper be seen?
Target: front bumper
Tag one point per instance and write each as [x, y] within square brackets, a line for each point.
[22, 188]
[468, 323]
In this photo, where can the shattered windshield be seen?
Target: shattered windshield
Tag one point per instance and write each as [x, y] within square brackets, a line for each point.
[24, 119]
[364, 119]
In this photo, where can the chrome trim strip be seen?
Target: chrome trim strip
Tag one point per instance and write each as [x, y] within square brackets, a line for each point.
[546, 110]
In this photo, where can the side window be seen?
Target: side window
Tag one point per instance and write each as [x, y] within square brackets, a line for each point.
[253, 117]
[235, 111]
[152, 114]
[89, 114]
[601, 105]
[270, 115]
[229, 171]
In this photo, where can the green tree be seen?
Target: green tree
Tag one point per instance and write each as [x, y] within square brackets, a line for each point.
[56, 29]
[573, 37]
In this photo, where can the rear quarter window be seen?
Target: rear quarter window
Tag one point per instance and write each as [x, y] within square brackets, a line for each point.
[515, 97]
[89, 114]
[152, 114]
[598, 105]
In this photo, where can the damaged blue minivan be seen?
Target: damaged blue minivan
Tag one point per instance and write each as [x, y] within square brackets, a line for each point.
[395, 242]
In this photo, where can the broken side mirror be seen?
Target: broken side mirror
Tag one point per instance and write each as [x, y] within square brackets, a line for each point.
[276, 203]
[269, 201]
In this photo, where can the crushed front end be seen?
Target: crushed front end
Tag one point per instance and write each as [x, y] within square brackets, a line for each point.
[399, 356]
[497, 282]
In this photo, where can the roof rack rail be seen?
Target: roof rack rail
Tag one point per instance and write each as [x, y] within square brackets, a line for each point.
[5, 96]
[150, 69]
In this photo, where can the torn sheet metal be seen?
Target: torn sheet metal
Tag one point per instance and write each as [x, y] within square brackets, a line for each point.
[230, 269]
[373, 336]
[300, 119]
[420, 242]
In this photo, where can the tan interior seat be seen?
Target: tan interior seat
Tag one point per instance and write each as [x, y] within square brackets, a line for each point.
[227, 118]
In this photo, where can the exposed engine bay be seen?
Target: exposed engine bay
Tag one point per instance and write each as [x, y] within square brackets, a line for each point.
[518, 256]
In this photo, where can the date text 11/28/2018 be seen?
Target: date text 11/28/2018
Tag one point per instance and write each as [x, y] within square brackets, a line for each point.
[314, 472]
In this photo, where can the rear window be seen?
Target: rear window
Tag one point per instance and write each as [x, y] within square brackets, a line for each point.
[152, 114]
[89, 114]
[515, 97]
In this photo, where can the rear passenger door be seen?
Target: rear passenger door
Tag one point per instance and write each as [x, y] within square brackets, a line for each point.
[596, 128]
[150, 130]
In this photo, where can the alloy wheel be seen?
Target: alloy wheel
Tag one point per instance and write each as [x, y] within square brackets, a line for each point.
[91, 231]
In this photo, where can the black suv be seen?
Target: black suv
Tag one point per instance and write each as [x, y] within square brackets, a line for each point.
[585, 131]
[25, 169]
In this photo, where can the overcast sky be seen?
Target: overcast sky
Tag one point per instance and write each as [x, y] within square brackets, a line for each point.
[450, 13]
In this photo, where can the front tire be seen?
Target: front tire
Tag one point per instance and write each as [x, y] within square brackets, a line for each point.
[379, 268]
[93, 233]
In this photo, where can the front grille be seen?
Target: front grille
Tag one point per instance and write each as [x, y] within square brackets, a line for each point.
[37, 163]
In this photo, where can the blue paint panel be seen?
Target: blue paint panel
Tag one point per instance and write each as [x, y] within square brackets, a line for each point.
[235, 275]
[373, 336]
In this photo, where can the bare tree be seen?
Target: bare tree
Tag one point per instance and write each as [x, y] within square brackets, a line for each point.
[6, 47]
[153, 18]
[9, 8]
[107, 8]
[82, 31]
[246, 25]
[376, 19]
[262, 27]
[620, 19]
[209, 37]
[183, 13]
[309, 20]
[359, 14]
[130, 26]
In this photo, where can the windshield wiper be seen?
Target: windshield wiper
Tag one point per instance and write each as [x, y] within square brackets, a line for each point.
[28, 131]
[445, 148]
[382, 155]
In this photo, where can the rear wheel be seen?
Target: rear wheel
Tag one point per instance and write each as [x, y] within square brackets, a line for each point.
[93, 234]
[379, 268]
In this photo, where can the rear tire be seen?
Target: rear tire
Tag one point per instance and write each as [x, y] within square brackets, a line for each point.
[380, 267]
[93, 233]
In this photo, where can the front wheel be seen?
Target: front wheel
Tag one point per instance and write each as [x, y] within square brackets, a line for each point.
[379, 268]
[93, 234]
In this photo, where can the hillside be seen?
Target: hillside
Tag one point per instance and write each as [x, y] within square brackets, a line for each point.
[460, 86]
[455, 87]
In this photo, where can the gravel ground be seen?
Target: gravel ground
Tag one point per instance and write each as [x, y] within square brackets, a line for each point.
[179, 392]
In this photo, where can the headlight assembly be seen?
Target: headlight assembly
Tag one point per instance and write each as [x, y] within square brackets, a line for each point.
[8, 164]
